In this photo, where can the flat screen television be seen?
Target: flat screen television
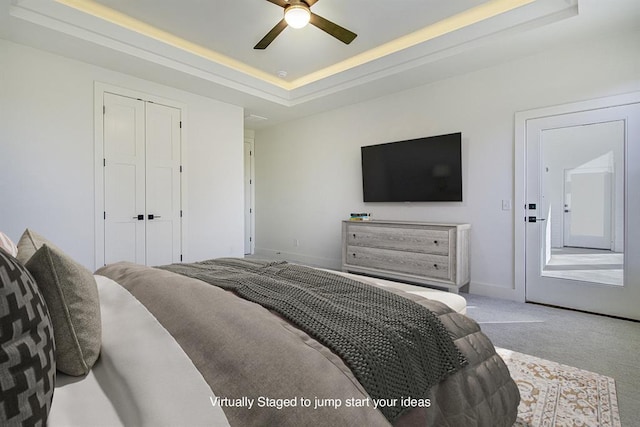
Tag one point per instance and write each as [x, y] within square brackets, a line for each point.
[418, 170]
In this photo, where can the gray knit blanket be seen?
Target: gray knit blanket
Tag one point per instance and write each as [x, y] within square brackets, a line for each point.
[395, 347]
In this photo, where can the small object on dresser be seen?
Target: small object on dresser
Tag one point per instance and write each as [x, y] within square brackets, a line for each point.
[360, 216]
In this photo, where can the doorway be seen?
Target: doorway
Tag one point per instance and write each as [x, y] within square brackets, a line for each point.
[138, 179]
[579, 249]
[249, 194]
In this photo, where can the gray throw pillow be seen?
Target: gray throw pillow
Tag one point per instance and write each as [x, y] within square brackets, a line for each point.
[27, 360]
[71, 294]
[29, 243]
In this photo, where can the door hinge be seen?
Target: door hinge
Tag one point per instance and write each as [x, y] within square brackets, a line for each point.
[180, 213]
[180, 257]
[104, 163]
[104, 215]
[180, 168]
[180, 124]
[251, 239]
[104, 109]
[250, 210]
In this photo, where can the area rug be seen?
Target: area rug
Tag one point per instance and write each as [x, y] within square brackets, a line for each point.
[552, 394]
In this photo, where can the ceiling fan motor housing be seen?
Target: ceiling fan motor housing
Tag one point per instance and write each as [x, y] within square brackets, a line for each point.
[297, 14]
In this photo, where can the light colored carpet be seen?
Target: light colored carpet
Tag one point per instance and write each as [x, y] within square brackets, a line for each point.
[556, 395]
[596, 343]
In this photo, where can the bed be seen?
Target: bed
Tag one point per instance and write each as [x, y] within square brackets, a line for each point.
[176, 350]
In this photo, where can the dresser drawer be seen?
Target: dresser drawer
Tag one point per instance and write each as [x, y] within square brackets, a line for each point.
[420, 264]
[422, 240]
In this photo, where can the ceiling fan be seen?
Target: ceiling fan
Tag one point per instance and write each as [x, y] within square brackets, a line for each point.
[297, 14]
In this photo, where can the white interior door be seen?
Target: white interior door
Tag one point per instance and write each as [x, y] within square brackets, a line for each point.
[162, 184]
[587, 208]
[124, 179]
[609, 136]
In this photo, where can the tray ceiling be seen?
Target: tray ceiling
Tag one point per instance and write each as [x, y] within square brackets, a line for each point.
[207, 46]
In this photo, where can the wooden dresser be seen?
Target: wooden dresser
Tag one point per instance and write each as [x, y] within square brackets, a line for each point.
[423, 253]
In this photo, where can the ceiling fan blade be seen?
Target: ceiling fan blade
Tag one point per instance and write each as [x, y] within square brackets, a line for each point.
[281, 3]
[342, 34]
[310, 2]
[271, 35]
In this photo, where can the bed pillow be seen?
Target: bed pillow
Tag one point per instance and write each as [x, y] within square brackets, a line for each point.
[29, 243]
[8, 245]
[71, 294]
[27, 360]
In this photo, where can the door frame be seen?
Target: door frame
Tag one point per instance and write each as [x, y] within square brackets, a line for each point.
[250, 217]
[99, 89]
[520, 181]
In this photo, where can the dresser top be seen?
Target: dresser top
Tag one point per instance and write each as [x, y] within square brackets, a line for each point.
[425, 223]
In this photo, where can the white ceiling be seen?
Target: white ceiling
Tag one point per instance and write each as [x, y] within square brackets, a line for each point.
[207, 46]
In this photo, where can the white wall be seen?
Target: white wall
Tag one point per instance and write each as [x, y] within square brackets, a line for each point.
[308, 172]
[47, 155]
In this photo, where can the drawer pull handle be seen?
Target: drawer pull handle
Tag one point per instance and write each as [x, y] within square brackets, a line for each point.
[354, 235]
[435, 242]
[435, 266]
[354, 255]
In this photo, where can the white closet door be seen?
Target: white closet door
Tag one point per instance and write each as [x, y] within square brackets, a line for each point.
[124, 179]
[163, 184]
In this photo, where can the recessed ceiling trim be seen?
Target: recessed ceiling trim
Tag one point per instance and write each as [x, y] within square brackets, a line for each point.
[469, 17]
[447, 45]
[103, 26]
[102, 12]
[456, 22]
[124, 40]
[461, 20]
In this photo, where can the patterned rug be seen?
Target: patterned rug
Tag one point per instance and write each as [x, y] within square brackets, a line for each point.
[559, 395]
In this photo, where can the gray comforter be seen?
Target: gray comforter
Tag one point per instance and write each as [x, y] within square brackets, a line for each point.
[266, 372]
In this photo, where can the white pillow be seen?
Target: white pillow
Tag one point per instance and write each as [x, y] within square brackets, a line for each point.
[8, 245]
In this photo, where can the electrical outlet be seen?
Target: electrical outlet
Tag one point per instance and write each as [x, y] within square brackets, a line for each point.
[506, 205]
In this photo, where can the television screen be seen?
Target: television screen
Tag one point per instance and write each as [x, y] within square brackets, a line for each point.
[418, 170]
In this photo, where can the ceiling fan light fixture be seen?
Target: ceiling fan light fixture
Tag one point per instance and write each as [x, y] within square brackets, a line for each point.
[297, 15]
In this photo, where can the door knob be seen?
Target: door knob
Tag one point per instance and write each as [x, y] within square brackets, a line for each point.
[152, 216]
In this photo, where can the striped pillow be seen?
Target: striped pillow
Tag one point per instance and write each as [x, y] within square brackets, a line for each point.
[8, 245]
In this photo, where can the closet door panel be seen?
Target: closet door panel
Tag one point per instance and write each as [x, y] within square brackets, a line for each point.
[163, 141]
[124, 179]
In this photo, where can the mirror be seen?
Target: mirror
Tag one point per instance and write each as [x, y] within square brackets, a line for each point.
[583, 198]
